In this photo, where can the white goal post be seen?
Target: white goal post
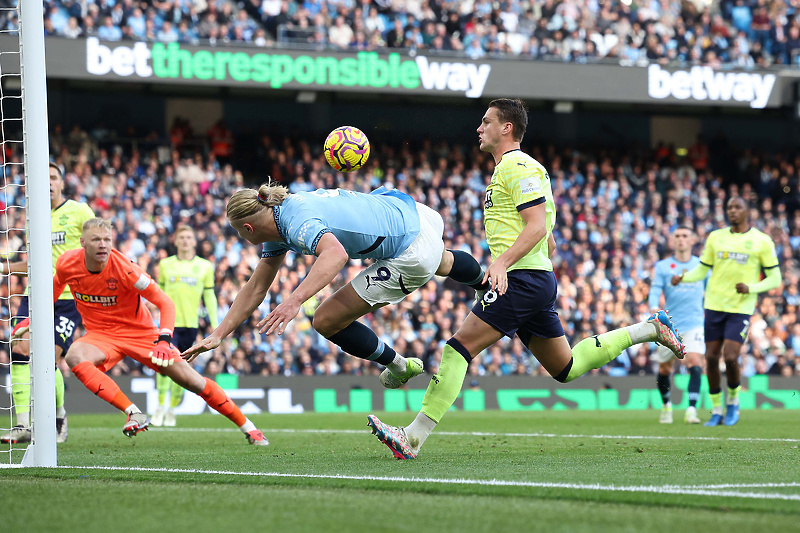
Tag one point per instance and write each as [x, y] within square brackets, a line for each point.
[42, 450]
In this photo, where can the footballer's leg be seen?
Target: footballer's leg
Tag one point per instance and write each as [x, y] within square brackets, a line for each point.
[337, 317]
[666, 361]
[188, 378]
[162, 386]
[597, 350]
[67, 320]
[175, 399]
[473, 337]
[183, 339]
[694, 362]
[20, 375]
[730, 352]
[713, 353]
[84, 359]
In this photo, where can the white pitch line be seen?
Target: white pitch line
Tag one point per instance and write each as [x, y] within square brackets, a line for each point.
[487, 434]
[665, 489]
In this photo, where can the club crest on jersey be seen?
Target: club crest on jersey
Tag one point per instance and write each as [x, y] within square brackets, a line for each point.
[112, 283]
[105, 301]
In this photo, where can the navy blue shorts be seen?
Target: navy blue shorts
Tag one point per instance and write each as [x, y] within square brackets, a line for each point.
[66, 319]
[184, 338]
[731, 326]
[528, 308]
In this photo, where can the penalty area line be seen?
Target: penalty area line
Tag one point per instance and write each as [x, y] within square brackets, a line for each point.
[665, 489]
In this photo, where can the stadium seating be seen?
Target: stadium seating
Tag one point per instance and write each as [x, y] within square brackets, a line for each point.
[615, 214]
[744, 33]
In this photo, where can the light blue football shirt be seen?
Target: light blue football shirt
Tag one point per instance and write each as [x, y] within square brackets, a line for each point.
[685, 300]
[378, 225]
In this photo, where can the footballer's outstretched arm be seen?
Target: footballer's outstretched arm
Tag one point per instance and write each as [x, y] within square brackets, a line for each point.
[247, 301]
[331, 258]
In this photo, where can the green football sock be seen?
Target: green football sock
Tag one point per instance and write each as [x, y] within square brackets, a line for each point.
[593, 352]
[733, 395]
[59, 389]
[445, 385]
[716, 402]
[21, 391]
[175, 395]
[162, 385]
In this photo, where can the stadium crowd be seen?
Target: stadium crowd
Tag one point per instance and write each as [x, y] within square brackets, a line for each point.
[741, 33]
[616, 212]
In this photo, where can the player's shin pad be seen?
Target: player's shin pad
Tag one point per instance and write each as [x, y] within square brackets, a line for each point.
[445, 385]
[175, 394]
[594, 352]
[59, 388]
[21, 387]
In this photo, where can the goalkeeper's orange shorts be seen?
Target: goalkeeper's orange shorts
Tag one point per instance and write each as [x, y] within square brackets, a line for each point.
[118, 347]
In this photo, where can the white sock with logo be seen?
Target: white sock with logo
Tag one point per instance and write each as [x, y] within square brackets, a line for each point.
[418, 430]
[398, 365]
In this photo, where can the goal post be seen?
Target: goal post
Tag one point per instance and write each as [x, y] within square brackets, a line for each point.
[42, 449]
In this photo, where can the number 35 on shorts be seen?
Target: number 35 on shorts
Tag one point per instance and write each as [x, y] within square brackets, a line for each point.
[65, 327]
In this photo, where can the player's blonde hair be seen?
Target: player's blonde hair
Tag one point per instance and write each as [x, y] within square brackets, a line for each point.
[184, 227]
[96, 222]
[247, 202]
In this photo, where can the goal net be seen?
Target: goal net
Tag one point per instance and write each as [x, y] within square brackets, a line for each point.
[25, 227]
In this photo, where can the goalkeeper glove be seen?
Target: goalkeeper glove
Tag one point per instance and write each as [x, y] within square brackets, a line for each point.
[162, 354]
[20, 329]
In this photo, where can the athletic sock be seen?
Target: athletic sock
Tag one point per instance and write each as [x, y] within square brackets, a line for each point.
[593, 352]
[695, 375]
[216, 398]
[641, 332]
[446, 384]
[716, 401]
[733, 395]
[59, 392]
[663, 382]
[101, 385]
[418, 430]
[399, 365]
[175, 395]
[466, 270]
[247, 427]
[360, 341]
[21, 387]
[162, 386]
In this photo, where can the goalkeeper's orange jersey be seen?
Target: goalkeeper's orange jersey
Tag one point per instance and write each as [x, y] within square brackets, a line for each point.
[109, 301]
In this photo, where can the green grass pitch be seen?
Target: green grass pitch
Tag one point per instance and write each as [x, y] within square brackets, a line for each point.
[491, 471]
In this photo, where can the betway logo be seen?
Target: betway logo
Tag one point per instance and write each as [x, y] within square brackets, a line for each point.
[465, 77]
[704, 83]
[365, 69]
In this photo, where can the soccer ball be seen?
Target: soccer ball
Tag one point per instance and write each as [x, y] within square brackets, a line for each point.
[346, 149]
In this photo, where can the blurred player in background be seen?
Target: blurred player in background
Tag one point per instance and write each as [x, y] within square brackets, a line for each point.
[185, 278]
[519, 215]
[66, 220]
[402, 236]
[736, 256]
[108, 290]
[685, 304]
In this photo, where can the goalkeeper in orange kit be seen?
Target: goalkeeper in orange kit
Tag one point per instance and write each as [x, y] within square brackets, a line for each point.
[108, 291]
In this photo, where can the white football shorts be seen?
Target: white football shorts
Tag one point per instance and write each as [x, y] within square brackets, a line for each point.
[694, 340]
[389, 281]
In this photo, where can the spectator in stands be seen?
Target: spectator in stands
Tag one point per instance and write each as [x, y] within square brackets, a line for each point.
[108, 31]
